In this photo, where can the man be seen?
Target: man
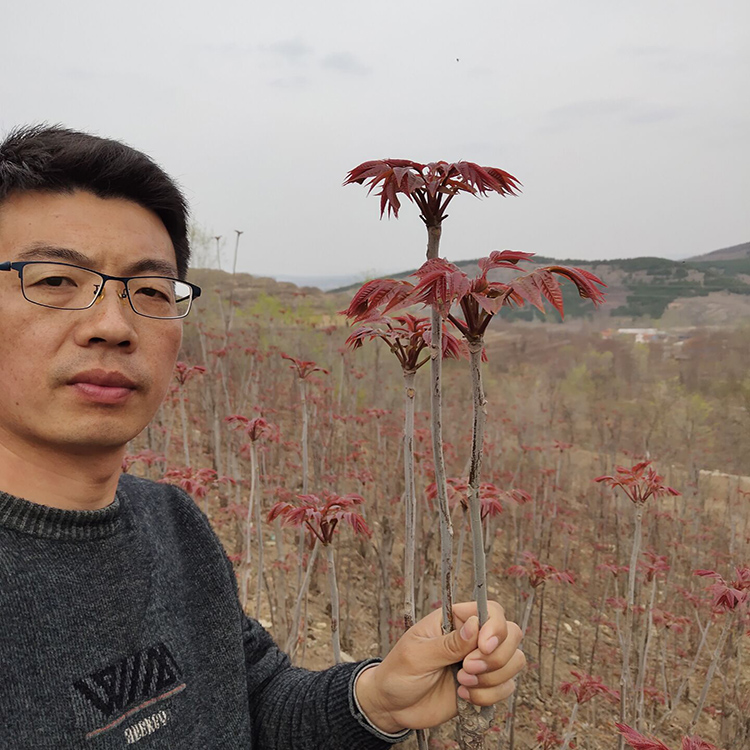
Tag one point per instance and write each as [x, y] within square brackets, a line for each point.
[119, 616]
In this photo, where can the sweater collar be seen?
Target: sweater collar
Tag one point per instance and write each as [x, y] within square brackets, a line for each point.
[54, 523]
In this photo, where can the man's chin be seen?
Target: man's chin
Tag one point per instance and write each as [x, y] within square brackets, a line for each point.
[99, 440]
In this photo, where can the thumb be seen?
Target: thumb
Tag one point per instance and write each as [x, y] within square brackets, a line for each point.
[460, 643]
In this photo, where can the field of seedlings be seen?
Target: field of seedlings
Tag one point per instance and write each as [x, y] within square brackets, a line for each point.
[633, 591]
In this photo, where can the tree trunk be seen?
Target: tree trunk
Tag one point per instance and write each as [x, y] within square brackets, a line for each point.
[474, 724]
[185, 436]
[570, 733]
[291, 644]
[334, 591]
[410, 500]
[248, 525]
[510, 722]
[625, 675]
[475, 506]
[436, 403]
[261, 555]
[305, 470]
[641, 679]
[730, 616]
[305, 462]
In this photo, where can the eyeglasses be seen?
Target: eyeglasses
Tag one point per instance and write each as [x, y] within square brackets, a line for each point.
[63, 286]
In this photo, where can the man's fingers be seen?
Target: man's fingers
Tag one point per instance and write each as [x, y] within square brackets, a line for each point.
[495, 630]
[496, 626]
[495, 677]
[499, 657]
[430, 650]
[487, 696]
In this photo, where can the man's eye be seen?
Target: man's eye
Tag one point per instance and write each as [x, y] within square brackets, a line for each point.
[149, 291]
[56, 281]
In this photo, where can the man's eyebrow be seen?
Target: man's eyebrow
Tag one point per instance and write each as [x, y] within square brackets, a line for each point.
[53, 252]
[151, 265]
[68, 255]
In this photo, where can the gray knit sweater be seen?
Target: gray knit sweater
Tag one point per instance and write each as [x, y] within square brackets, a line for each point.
[122, 627]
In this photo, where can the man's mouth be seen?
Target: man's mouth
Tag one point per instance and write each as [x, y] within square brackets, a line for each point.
[102, 386]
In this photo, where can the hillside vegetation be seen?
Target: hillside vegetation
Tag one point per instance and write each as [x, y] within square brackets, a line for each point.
[712, 288]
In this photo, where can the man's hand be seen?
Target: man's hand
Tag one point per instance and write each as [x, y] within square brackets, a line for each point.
[414, 687]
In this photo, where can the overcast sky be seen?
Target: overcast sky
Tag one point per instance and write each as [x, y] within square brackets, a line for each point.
[628, 123]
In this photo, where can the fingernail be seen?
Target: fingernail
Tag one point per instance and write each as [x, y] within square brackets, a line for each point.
[465, 632]
[492, 644]
[463, 693]
[470, 680]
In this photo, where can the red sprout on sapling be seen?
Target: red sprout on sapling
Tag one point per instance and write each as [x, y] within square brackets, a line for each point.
[321, 515]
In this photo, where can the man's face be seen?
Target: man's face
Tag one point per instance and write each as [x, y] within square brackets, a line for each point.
[82, 381]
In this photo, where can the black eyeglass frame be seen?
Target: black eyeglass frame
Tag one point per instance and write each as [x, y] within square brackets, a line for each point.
[18, 266]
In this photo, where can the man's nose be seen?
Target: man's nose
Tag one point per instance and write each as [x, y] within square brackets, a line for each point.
[110, 319]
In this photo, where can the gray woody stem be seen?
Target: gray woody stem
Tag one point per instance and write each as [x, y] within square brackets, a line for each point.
[475, 506]
[475, 724]
[248, 525]
[334, 589]
[185, 432]
[292, 641]
[305, 473]
[472, 724]
[625, 674]
[571, 729]
[728, 622]
[446, 527]
[410, 499]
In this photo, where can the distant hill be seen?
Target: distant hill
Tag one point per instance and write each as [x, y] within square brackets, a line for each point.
[325, 283]
[735, 252]
[706, 289]
[712, 288]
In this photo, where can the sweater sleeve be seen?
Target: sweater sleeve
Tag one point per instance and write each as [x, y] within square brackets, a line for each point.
[295, 709]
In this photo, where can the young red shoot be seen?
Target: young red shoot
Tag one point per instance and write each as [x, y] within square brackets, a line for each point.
[321, 514]
[585, 687]
[728, 595]
[431, 186]
[407, 336]
[639, 741]
[302, 367]
[639, 482]
[443, 285]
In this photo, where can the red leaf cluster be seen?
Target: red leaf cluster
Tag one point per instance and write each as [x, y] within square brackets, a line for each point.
[655, 565]
[548, 739]
[639, 741]
[407, 336]
[442, 285]
[303, 367]
[670, 621]
[377, 297]
[585, 687]
[613, 568]
[431, 186]
[639, 482]
[322, 514]
[728, 595]
[491, 497]
[256, 429]
[538, 572]
[147, 456]
[195, 482]
[184, 372]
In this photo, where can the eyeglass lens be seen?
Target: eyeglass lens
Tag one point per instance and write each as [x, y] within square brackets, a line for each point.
[70, 288]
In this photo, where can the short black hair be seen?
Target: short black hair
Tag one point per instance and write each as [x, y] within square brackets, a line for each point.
[51, 158]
